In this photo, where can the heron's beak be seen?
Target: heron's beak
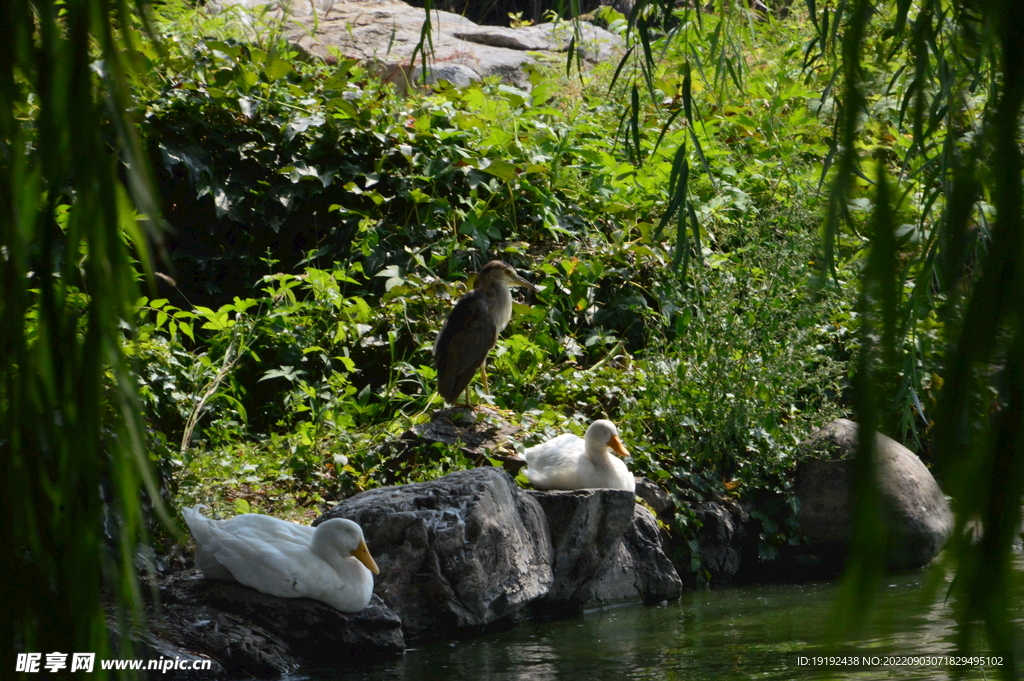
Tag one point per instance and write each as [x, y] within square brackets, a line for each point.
[516, 280]
[616, 444]
[362, 554]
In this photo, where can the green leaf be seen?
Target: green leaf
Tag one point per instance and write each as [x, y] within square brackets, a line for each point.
[276, 67]
[499, 168]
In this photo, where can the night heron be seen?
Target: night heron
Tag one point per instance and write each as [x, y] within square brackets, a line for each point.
[472, 329]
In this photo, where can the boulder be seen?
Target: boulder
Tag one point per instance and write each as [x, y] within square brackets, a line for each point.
[918, 517]
[607, 551]
[466, 550]
[637, 571]
[719, 541]
[388, 31]
[659, 500]
[585, 526]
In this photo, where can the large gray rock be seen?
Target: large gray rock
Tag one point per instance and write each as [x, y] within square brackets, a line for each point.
[389, 30]
[607, 551]
[466, 550]
[719, 539]
[585, 526]
[156, 644]
[239, 647]
[918, 517]
[637, 571]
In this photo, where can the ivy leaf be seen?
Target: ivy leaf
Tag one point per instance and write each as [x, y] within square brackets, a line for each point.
[302, 124]
[276, 67]
[499, 168]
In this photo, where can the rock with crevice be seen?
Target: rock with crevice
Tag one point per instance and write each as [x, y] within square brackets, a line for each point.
[464, 551]
[607, 551]
[658, 499]
[719, 554]
[585, 526]
[636, 571]
[917, 514]
[388, 31]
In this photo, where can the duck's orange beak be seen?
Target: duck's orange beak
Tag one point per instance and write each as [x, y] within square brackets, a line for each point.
[616, 444]
[362, 554]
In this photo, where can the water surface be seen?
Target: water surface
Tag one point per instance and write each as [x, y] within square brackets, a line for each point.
[755, 632]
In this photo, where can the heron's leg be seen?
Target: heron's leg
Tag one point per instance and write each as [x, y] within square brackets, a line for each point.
[469, 403]
[483, 377]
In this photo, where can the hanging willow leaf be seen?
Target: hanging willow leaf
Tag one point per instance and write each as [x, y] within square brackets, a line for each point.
[72, 452]
[952, 52]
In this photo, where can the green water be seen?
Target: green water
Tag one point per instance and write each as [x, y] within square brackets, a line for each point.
[755, 632]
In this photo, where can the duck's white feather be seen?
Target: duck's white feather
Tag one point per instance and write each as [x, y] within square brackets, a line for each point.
[569, 462]
[284, 559]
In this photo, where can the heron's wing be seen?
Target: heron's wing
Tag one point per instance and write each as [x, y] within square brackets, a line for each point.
[462, 346]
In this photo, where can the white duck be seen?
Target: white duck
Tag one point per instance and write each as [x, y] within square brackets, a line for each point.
[568, 462]
[329, 563]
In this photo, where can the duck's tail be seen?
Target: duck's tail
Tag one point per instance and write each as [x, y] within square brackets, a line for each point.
[198, 524]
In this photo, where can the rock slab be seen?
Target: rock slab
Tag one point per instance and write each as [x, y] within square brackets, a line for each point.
[918, 516]
[463, 551]
[388, 32]
[312, 630]
[254, 634]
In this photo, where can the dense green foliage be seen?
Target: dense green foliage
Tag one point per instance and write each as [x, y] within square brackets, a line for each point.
[938, 87]
[675, 242]
[285, 395]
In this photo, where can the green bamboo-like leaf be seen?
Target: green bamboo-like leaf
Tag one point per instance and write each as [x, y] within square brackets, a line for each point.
[634, 122]
[425, 46]
[665, 129]
[678, 186]
[618, 69]
[687, 93]
[570, 53]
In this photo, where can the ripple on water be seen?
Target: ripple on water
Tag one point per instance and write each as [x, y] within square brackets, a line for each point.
[749, 632]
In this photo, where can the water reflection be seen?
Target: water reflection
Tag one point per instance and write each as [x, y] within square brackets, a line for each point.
[752, 632]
